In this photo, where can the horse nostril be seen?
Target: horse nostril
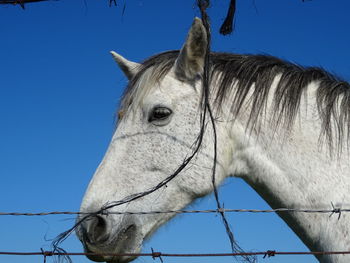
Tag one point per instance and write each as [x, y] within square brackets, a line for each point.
[97, 229]
[128, 232]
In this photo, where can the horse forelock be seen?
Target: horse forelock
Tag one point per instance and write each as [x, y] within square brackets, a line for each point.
[243, 78]
[152, 71]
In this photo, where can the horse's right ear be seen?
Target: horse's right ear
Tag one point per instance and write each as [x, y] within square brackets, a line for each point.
[190, 61]
[128, 67]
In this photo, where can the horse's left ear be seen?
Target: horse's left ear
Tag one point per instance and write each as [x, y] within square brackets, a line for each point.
[128, 67]
[190, 61]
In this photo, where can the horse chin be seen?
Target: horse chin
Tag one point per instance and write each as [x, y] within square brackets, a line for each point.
[128, 242]
[110, 259]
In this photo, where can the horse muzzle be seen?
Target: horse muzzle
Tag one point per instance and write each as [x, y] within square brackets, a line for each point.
[111, 234]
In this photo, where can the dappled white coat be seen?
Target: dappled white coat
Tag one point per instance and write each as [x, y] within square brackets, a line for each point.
[288, 169]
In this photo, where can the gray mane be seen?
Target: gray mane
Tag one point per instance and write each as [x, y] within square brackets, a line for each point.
[253, 76]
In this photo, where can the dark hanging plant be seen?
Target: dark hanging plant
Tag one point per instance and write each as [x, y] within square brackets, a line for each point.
[228, 24]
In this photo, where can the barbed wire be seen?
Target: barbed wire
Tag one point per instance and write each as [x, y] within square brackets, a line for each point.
[268, 253]
[154, 255]
[332, 211]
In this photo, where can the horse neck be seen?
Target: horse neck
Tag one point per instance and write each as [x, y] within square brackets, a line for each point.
[291, 170]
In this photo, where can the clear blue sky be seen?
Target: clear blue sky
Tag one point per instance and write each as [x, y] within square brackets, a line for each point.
[59, 89]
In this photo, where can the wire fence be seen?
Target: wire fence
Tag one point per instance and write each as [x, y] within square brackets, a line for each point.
[332, 211]
[154, 255]
[160, 255]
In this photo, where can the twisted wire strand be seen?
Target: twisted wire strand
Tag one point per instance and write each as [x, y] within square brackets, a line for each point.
[221, 210]
[268, 253]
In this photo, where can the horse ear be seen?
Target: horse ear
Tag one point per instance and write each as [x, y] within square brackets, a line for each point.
[128, 67]
[190, 61]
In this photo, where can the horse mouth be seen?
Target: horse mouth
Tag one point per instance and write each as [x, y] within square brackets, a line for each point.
[124, 243]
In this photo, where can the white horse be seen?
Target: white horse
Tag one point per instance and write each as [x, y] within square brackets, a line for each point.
[272, 119]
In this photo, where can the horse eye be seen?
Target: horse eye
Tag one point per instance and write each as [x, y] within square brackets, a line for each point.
[159, 114]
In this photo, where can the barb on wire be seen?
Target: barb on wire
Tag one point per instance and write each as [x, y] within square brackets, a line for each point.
[156, 255]
[336, 210]
[270, 253]
[45, 254]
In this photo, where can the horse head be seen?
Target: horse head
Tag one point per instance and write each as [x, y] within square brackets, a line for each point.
[160, 123]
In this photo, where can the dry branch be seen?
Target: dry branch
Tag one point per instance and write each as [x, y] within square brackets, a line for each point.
[19, 2]
[22, 3]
